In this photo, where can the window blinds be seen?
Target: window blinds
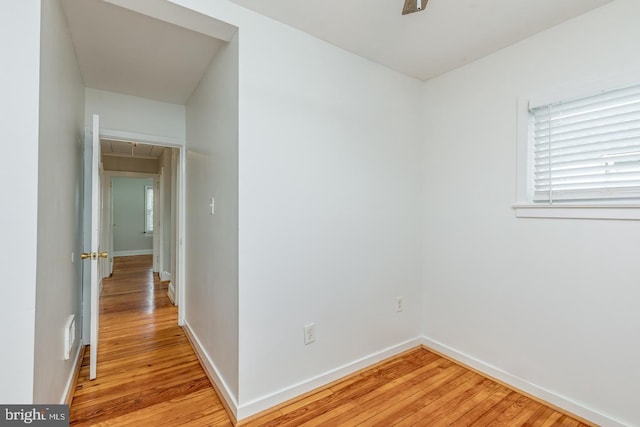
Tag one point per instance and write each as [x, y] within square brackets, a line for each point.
[587, 149]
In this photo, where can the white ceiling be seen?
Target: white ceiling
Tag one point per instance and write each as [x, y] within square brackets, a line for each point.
[123, 51]
[448, 34]
[128, 149]
[126, 52]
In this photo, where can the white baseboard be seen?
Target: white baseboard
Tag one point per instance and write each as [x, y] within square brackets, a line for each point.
[258, 405]
[171, 293]
[269, 401]
[165, 275]
[133, 253]
[211, 370]
[524, 385]
[261, 404]
[67, 394]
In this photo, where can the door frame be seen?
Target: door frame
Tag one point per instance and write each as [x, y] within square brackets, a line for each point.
[179, 144]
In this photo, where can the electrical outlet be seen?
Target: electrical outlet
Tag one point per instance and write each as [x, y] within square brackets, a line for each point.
[309, 333]
[399, 304]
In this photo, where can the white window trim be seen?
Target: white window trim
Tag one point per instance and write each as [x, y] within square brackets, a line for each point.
[523, 206]
[628, 212]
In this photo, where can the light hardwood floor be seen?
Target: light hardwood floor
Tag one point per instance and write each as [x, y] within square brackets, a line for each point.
[148, 375]
[147, 371]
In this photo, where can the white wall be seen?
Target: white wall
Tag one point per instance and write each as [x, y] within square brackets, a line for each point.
[211, 293]
[59, 206]
[329, 188]
[329, 208]
[551, 302]
[19, 111]
[132, 114]
[129, 215]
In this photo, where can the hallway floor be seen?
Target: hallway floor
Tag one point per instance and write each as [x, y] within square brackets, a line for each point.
[148, 373]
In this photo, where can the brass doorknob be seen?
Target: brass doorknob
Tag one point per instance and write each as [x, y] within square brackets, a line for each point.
[94, 255]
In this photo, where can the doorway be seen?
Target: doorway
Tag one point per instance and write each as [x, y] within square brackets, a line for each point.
[132, 216]
[155, 167]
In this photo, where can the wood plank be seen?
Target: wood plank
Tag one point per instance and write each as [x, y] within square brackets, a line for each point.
[448, 403]
[534, 398]
[385, 410]
[429, 401]
[476, 405]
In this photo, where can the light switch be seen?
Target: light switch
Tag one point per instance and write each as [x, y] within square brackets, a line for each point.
[212, 206]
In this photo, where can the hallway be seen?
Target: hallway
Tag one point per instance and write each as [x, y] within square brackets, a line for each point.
[148, 373]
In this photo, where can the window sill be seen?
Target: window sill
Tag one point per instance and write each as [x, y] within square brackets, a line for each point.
[625, 212]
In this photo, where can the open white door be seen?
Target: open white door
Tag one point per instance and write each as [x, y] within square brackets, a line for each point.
[93, 254]
[95, 244]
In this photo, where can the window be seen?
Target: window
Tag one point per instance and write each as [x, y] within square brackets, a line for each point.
[587, 149]
[148, 209]
[582, 154]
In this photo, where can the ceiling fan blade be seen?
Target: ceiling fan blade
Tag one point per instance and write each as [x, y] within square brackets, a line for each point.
[411, 6]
